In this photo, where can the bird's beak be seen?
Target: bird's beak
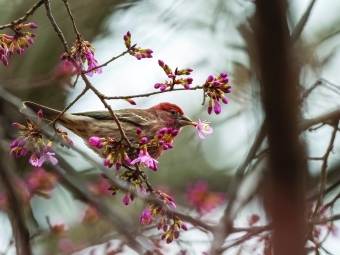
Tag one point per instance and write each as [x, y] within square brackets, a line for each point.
[184, 120]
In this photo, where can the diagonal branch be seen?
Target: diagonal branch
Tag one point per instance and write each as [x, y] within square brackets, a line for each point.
[25, 17]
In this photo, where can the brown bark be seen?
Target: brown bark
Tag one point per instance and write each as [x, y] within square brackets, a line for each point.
[279, 82]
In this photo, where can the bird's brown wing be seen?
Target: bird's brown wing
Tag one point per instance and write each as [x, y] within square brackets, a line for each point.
[131, 116]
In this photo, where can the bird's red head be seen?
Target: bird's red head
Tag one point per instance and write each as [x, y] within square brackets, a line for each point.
[172, 114]
[168, 107]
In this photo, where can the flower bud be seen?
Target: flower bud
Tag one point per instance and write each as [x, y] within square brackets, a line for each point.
[126, 199]
[22, 142]
[160, 63]
[31, 25]
[143, 139]
[175, 132]
[94, 141]
[13, 144]
[217, 108]
[224, 99]
[17, 125]
[40, 114]
[23, 152]
[189, 80]
[223, 75]
[210, 78]
[138, 131]
[130, 101]
[163, 131]
[127, 159]
[157, 85]
[184, 227]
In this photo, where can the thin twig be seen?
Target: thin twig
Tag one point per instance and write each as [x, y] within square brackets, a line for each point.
[112, 59]
[55, 26]
[72, 19]
[107, 106]
[323, 174]
[302, 22]
[69, 106]
[25, 17]
[152, 93]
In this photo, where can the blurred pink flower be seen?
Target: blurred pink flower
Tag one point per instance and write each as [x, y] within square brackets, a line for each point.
[41, 180]
[202, 199]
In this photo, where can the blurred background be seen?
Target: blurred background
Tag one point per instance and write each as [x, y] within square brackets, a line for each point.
[208, 36]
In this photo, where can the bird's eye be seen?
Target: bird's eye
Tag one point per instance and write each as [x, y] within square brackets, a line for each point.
[173, 112]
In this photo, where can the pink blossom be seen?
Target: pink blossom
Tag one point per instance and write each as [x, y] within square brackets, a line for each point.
[146, 218]
[203, 128]
[47, 157]
[34, 160]
[202, 199]
[146, 160]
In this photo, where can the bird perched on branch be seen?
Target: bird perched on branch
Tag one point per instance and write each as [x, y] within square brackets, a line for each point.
[101, 124]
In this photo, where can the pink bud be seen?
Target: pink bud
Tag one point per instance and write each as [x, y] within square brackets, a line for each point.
[184, 227]
[157, 85]
[13, 144]
[17, 125]
[32, 25]
[189, 80]
[138, 131]
[163, 87]
[94, 141]
[187, 86]
[210, 78]
[128, 33]
[130, 101]
[175, 132]
[217, 108]
[225, 100]
[160, 63]
[63, 56]
[40, 114]
[223, 75]
[143, 139]
[23, 152]
[126, 199]
[224, 80]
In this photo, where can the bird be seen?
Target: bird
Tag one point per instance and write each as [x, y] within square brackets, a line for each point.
[101, 124]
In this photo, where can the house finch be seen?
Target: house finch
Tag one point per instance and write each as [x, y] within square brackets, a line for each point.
[101, 124]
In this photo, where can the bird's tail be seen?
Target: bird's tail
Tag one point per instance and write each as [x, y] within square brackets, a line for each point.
[48, 113]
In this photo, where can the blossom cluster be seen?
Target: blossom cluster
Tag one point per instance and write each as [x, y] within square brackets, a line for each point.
[30, 142]
[137, 52]
[214, 88]
[170, 231]
[81, 52]
[185, 82]
[203, 200]
[16, 43]
[38, 182]
[324, 211]
[113, 152]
